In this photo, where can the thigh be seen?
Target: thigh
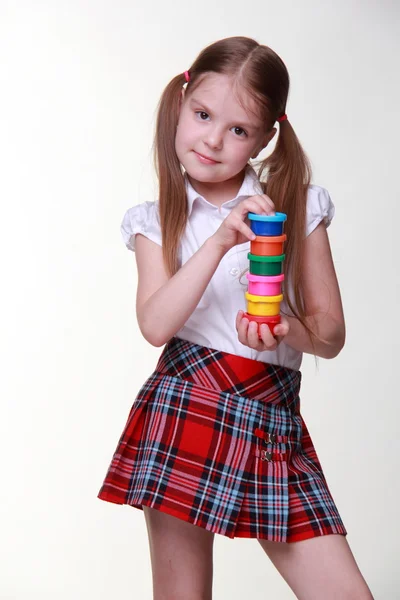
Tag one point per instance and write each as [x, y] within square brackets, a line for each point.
[181, 557]
[319, 567]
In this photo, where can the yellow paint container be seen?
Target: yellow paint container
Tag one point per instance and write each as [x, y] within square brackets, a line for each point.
[265, 306]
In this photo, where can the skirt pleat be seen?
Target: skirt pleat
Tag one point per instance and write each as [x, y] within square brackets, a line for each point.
[218, 440]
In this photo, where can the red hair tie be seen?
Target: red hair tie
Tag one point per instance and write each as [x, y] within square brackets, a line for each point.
[282, 118]
[187, 76]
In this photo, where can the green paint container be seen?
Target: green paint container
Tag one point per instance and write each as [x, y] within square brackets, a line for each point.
[266, 265]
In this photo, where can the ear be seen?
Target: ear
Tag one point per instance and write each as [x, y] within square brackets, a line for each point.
[265, 141]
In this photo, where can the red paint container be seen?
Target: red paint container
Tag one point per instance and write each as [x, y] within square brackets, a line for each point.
[270, 321]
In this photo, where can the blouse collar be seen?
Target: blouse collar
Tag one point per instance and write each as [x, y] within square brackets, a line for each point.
[250, 187]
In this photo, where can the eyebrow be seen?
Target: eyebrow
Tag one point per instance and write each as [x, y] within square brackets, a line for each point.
[194, 100]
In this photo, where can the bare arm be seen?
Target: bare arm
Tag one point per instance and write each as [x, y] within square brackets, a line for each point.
[323, 300]
[323, 305]
[164, 305]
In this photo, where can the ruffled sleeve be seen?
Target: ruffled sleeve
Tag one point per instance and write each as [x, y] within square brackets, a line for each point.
[319, 207]
[142, 218]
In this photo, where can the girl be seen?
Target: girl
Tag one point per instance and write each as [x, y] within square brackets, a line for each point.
[215, 441]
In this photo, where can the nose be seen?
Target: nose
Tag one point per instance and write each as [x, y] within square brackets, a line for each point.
[214, 137]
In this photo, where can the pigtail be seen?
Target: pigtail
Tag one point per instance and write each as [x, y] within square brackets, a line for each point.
[173, 207]
[289, 175]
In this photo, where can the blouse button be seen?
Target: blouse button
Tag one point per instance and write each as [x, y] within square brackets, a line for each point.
[234, 271]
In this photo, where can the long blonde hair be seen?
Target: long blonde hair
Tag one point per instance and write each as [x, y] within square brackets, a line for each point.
[284, 175]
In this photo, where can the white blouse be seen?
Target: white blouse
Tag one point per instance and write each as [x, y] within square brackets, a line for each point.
[212, 323]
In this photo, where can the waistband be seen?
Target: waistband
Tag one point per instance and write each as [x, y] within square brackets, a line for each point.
[230, 373]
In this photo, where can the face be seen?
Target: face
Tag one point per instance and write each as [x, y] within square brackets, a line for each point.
[216, 134]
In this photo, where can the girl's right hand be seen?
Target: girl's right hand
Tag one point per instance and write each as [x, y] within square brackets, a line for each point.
[235, 227]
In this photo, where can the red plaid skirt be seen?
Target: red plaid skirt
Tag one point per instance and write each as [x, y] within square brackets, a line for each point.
[218, 440]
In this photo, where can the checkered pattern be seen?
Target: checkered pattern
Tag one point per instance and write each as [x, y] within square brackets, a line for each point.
[193, 448]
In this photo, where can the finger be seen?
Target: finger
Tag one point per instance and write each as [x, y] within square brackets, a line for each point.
[265, 203]
[251, 205]
[242, 331]
[245, 230]
[252, 336]
[239, 317]
[268, 200]
[268, 339]
[255, 204]
[282, 328]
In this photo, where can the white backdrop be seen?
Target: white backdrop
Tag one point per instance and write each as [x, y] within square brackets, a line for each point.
[80, 81]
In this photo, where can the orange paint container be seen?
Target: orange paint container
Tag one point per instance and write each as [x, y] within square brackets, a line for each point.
[268, 245]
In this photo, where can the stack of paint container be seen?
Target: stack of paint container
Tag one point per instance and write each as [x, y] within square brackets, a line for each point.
[264, 295]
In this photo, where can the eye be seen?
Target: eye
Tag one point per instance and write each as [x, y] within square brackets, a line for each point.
[239, 131]
[201, 114]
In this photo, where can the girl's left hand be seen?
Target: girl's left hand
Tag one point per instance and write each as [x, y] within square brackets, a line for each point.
[248, 333]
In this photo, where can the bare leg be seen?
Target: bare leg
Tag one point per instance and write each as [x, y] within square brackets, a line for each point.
[319, 567]
[181, 557]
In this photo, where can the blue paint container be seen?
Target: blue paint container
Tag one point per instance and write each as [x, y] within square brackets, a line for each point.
[267, 224]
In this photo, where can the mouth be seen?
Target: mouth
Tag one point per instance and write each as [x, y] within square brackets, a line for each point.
[206, 159]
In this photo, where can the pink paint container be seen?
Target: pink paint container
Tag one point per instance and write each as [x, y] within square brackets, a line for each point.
[265, 285]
